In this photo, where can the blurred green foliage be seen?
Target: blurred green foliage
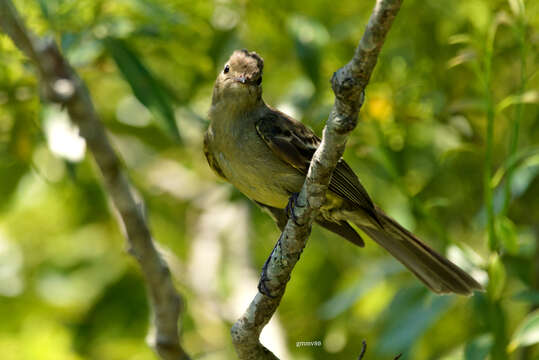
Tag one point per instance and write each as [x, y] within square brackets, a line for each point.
[447, 70]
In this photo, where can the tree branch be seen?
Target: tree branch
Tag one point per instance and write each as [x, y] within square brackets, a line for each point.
[61, 84]
[348, 84]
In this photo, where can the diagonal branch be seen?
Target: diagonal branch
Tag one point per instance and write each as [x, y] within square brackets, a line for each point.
[348, 84]
[61, 84]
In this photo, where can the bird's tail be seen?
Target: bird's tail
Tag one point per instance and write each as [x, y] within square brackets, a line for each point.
[438, 273]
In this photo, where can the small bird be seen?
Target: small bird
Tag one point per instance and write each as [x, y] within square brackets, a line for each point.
[266, 155]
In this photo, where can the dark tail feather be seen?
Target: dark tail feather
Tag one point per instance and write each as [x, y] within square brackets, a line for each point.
[438, 273]
[343, 229]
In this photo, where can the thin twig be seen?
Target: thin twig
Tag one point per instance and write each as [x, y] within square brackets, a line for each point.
[61, 84]
[363, 350]
[348, 84]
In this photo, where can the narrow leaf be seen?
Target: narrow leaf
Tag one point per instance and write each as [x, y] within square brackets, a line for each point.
[529, 97]
[527, 332]
[497, 276]
[507, 233]
[478, 348]
[145, 86]
[525, 157]
[345, 299]
[309, 38]
[529, 296]
[408, 317]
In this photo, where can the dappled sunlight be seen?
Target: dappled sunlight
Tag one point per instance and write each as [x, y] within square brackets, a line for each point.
[63, 137]
[68, 289]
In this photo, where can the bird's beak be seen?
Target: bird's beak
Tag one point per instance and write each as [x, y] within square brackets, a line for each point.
[241, 79]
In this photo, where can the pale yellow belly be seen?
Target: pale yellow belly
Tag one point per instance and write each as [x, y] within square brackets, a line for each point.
[255, 171]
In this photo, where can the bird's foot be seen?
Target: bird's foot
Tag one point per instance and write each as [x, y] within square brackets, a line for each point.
[262, 287]
[290, 207]
[264, 278]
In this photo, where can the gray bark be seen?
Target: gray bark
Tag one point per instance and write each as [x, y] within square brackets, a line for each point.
[60, 84]
[348, 84]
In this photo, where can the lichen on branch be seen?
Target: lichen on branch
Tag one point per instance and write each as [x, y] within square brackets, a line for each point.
[348, 83]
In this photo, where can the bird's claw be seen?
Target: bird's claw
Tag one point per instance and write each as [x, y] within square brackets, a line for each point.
[264, 278]
[290, 207]
[262, 288]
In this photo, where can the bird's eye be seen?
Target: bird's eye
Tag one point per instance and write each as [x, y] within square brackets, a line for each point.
[259, 81]
[227, 69]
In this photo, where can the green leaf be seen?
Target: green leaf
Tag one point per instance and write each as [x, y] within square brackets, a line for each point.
[309, 38]
[345, 299]
[496, 278]
[517, 7]
[526, 157]
[462, 57]
[529, 97]
[8, 184]
[527, 333]
[44, 9]
[507, 233]
[412, 311]
[529, 296]
[145, 86]
[478, 348]
[460, 39]
[80, 48]
[524, 176]
[159, 13]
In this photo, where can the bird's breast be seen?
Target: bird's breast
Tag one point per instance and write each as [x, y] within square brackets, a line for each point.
[250, 165]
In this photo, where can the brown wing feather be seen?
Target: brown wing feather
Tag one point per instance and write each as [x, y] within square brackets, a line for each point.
[295, 144]
[211, 160]
[286, 138]
[341, 228]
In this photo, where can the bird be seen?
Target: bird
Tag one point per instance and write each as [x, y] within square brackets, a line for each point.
[266, 154]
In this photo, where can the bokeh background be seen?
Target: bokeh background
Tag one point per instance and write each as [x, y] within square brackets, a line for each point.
[453, 80]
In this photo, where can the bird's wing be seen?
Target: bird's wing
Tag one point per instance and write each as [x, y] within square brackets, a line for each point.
[341, 228]
[214, 165]
[289, 139]
[295, 144]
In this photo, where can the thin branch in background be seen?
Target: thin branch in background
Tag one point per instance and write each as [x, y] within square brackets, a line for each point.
[487, 176]
[363, 350]
[520, 30]
[348, 84]
[496, 318]
[61, 84]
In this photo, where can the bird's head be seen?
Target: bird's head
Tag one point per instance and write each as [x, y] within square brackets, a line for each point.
[240, 80]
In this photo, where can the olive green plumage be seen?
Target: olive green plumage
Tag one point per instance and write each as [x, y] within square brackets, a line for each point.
[266, 155]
